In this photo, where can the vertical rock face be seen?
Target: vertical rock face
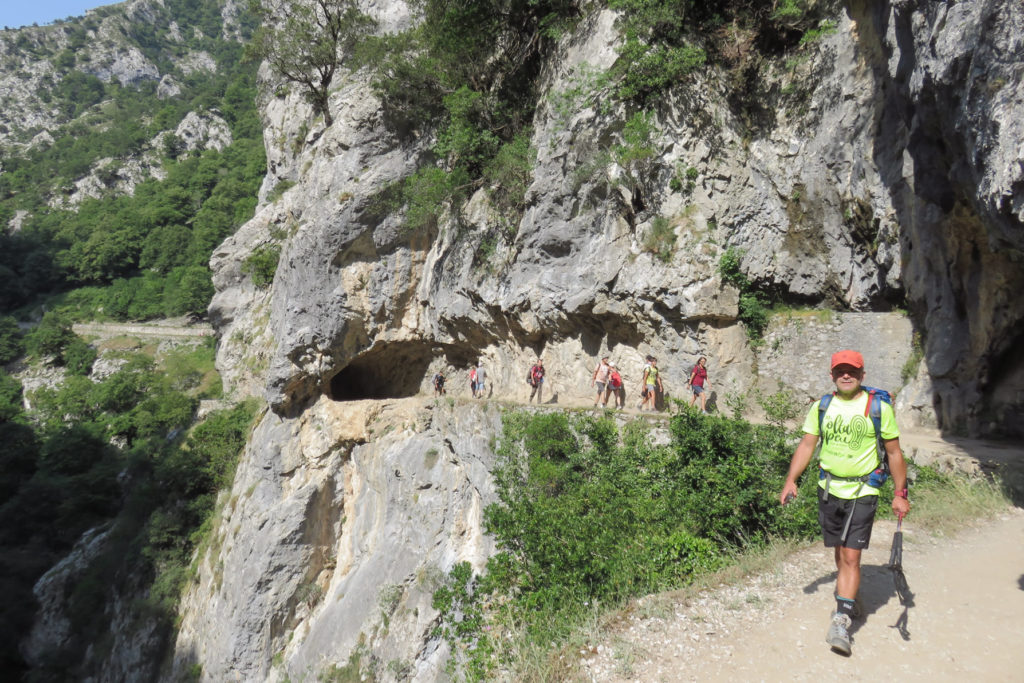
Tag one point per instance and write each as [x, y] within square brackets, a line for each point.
[885, 170]
[949, 142]
[338, 528]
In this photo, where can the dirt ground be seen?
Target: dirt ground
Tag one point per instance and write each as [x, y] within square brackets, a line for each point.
[965, 620]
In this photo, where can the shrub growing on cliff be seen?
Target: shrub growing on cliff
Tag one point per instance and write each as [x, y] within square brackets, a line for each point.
[589, 513]
[50, 337]
[261, 264]
[753, 305]
[304, 43]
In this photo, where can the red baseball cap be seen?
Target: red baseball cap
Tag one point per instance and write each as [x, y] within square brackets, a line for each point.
[847, 357]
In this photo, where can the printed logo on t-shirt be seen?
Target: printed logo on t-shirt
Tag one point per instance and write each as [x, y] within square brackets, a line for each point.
[851, 434]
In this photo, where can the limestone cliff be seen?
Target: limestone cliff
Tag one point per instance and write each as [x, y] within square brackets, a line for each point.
[884, 167]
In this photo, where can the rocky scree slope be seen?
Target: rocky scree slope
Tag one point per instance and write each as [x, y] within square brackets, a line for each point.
[894, 175]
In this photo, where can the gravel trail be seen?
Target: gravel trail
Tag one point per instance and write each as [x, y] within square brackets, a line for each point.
[966, 621]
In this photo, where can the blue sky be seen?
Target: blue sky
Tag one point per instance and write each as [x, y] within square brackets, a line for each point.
[18, 13]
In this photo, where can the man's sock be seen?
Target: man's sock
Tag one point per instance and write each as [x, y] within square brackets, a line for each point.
[844, 606]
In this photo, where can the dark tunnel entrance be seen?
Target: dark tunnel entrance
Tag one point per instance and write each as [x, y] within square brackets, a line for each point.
[393, 370]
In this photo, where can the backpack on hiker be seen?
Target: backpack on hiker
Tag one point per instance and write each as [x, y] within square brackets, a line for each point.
[615, 379]
[873, 411]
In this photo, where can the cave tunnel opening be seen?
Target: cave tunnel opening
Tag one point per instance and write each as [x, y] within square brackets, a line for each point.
[394, 370]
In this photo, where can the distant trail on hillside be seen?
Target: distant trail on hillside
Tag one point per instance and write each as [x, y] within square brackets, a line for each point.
[162, 330]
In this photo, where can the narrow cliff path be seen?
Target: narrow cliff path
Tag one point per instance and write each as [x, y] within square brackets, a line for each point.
[966, 621]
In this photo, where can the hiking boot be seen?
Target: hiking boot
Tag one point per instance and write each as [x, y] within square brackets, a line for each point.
[838, 636]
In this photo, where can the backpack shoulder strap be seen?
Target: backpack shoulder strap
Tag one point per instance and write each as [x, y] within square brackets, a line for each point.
[822, 407]
[874, 411]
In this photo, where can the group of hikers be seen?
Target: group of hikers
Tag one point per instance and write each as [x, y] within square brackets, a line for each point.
[477, 381]
[606, 379]
[608, 382]
[853, 429]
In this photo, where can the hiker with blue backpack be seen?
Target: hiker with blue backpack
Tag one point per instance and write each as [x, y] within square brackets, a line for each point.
[860, 449]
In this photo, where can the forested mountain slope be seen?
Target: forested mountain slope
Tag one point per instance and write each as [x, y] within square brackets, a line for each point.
[130, 146]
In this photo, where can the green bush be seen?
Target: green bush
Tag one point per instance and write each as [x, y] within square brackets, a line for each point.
[509, 174]
[11, 344]
[79, 357]
[661, 239]
[10, 398]
[261, 264]
[589, 514]
[426, 193]
[754, 307]
[729, 267]
[780, 407]
[754, 314]
[50, 337]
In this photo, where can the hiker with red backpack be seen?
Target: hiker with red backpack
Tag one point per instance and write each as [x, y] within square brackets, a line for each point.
[535, 378]
[860, 449]
[615, 387]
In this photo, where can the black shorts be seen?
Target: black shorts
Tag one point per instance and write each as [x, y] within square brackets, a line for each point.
[832, 514]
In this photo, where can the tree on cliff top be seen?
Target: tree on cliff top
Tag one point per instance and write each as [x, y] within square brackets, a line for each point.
[306, 41]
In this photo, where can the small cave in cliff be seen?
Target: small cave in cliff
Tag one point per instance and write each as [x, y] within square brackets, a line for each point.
[392, 370]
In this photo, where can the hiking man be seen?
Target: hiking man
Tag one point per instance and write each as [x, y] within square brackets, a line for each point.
[600, 380]
[481, 379]
[472, 380]
[439, 383]
[848, 477]
[536, 380]
[651, 383]
[699, 382]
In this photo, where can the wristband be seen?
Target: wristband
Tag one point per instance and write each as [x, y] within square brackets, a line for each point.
[902, 493]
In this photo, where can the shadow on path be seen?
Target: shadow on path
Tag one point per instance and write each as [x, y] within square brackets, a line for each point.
[877, 589]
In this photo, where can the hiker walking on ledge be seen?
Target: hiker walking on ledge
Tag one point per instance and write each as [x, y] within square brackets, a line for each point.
[860, 447]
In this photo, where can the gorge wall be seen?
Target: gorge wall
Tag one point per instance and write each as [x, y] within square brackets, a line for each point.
[885, 170]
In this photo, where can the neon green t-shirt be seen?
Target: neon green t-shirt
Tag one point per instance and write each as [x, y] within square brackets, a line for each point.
[848, 444]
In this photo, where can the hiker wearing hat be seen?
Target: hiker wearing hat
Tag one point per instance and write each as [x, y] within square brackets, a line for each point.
[858, 432]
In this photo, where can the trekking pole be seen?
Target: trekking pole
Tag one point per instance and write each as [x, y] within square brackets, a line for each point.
[896, 565]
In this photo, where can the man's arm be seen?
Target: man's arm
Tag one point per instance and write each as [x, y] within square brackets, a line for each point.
[898, 470]
[801, 458]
